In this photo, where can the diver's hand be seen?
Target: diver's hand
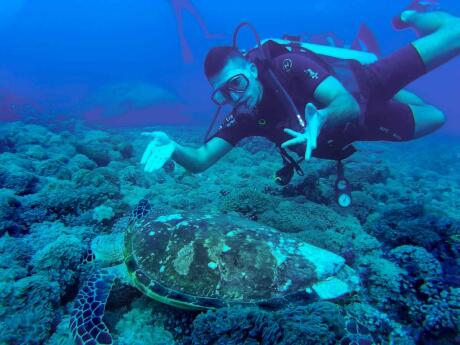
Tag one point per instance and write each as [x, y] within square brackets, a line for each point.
[158, 151]
[315, 121]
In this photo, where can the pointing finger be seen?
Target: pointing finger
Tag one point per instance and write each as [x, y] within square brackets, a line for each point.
[308, 151]
[291, 132]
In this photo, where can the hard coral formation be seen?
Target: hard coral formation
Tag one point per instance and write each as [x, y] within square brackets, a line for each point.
[17, 174]
[59, 260]
[37, 274]
[383, 329]
[28, 310]
[9, 203]
[101, 148]
[317, 323]
[248, 201]
[409, 225]
[102, 213]
[139, 327]
[80, 161]
[421, 266]
[383, 281]
[54, 168]
[432, 304]
[62, 335]
[53, 183]
[323, 227]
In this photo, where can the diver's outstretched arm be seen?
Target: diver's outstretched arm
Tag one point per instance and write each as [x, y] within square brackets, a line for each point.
[199, 159]
[161, 148]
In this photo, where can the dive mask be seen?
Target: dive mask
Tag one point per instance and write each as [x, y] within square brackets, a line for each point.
[236, 85]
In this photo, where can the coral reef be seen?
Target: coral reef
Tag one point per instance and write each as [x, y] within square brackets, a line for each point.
[102, 213]
[317, 323]
[402, 234]
[138, 327]
[247, 201]
[408, 225]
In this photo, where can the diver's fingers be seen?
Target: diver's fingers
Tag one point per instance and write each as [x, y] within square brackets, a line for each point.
[310, 111]
[148, 151]
[308, 151]
[291, 132]
[314, 140]
[312, 137]
[294, 141]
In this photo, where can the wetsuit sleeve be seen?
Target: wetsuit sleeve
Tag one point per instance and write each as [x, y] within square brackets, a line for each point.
[232, 131]
[301, 74]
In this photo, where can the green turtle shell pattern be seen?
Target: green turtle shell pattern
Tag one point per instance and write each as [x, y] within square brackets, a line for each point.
[201, 261]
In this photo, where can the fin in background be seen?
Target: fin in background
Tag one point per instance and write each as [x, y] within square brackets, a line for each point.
[366, 41]
[179, 7]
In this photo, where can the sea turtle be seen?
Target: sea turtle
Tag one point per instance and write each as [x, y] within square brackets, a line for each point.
[205, 261]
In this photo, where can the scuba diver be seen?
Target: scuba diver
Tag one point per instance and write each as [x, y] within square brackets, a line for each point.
[345, 99]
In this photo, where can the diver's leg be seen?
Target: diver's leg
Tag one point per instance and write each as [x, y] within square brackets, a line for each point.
[392, 73]
[407, 97]
[427, 119]
[394, 120]
[441, 36]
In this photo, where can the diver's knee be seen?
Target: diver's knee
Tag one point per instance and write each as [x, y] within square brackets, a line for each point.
[427, 120]
[436, 118]
[439, 118]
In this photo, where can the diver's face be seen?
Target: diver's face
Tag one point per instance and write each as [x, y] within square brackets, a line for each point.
[237, 85]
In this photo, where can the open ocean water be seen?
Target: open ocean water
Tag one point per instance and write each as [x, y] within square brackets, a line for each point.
[95, 250]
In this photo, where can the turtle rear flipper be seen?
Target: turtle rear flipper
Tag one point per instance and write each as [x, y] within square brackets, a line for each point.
[86, 321]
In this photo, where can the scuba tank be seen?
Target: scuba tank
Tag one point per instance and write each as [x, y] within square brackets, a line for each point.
[362, 57]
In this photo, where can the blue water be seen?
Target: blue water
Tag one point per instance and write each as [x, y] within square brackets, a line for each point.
[58, 55]
[80, 80]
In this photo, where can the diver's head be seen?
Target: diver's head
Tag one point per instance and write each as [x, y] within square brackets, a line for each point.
[233, 78]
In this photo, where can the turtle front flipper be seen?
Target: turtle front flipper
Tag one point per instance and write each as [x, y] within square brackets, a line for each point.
[86, 321]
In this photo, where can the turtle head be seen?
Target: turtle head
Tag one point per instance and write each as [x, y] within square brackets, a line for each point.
[107, 250]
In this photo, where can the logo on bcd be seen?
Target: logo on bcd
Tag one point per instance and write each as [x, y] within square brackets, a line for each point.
[287, 64]
[228, 122]
[311, 73]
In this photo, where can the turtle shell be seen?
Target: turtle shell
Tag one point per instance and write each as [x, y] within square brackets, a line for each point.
[211, 261]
